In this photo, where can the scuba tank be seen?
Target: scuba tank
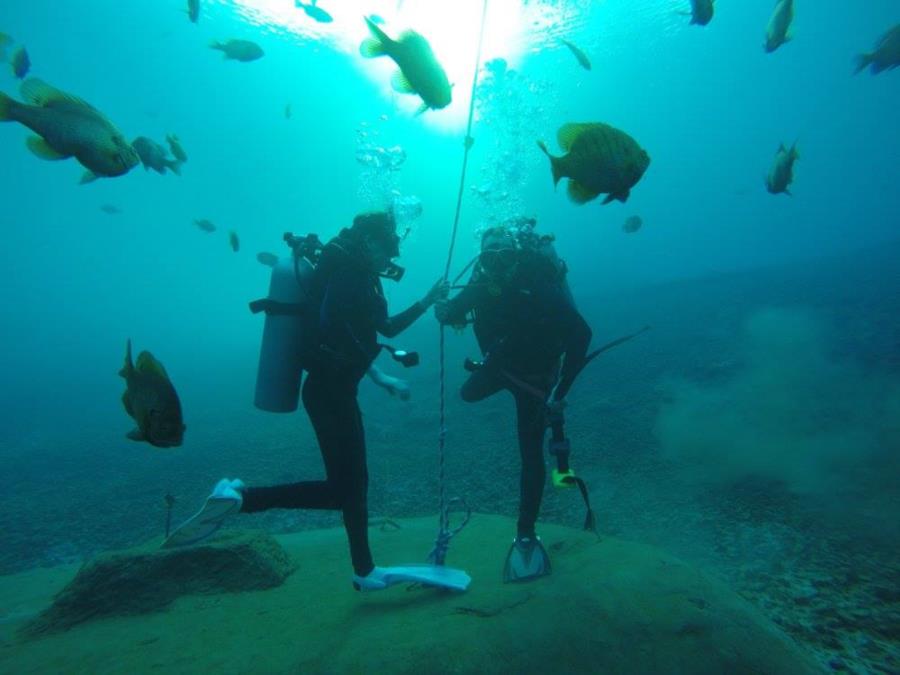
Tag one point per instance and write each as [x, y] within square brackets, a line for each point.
[285, 333]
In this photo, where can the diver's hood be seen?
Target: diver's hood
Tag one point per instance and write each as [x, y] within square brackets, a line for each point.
[346, 249]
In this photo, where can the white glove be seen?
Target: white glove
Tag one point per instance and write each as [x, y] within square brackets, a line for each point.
[397, 387]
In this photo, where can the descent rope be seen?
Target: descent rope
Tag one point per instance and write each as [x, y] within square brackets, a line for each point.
[442, 542]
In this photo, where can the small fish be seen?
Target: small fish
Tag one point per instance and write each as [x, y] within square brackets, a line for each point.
[600, 159]
[153, 156]
[234, 241]
[420, 73]
[782, 174]
[886, 55]
[239, 50]
[111, 209]
[151, 400]
[632, 224]
[701, 12]
[69, 127]
[267, 259]
[288, 111]
[778, 31]
[20, 62]
[193, 10]
[580, 55]
[314, 12]
[176, 148]
[205, 225]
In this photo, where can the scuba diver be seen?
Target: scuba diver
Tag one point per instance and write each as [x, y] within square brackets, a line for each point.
[534, 343]
[350, 310]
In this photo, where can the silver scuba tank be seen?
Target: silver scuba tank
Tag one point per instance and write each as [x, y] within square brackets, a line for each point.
[281, 353]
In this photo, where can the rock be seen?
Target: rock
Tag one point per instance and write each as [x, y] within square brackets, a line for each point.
[148, 579]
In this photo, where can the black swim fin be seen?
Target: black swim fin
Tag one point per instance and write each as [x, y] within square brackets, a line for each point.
[527, 559]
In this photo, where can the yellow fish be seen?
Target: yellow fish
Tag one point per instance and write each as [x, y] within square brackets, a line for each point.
[420, 73]
[69, 127]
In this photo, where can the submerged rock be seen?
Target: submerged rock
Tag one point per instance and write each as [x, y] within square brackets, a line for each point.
[148, 579]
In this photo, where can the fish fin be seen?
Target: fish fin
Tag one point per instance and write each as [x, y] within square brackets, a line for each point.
[422, 108]
[147, 363]
[795, 153]
[174, 166]
[569, 133]
[580, 194]
[126, 401]
[40, 148]
[135, 435]
[6, 107]
[88, 177]
[128, 368]
[623, 196]
[379, 37]
[862, 62]
[555, 166]
[39, 93]
[371, 48]
[788, 192]
[401, 84]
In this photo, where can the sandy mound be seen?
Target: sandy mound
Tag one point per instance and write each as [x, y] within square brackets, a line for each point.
[149, 579]
[610, 606]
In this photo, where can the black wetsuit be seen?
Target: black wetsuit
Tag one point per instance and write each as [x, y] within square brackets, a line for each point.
[524, 327]
[353, 311]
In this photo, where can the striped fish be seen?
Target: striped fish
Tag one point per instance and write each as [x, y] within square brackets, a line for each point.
[601, 160]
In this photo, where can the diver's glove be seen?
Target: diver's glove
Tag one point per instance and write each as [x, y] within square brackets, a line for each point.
[397, 387]
[393, 385]
[442, 311]
[438, 292]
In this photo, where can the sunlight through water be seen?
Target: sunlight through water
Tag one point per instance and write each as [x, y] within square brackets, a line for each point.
[451, 29]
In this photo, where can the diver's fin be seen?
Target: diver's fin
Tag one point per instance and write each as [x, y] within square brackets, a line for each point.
[526, 560]
[40, 148]
[224, 501]
[580, 194]
[428, 575]
[401, 84]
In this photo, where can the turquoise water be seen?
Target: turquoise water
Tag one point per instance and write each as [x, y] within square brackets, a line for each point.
[708, 105]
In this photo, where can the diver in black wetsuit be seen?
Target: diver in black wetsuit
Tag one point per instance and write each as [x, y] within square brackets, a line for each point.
[353, 311]
[534, 343]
